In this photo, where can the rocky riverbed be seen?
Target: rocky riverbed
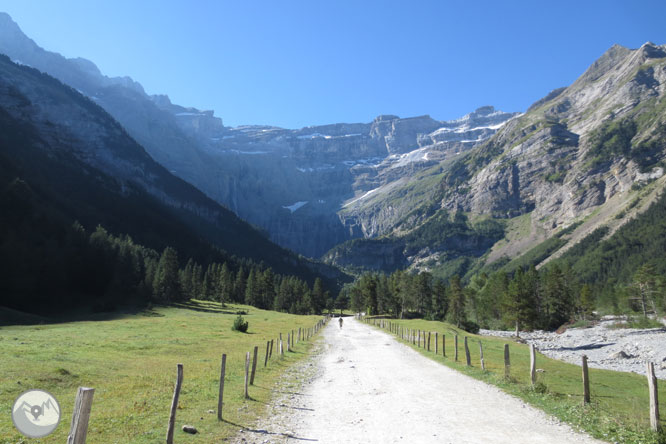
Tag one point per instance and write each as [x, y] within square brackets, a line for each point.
[606, 346]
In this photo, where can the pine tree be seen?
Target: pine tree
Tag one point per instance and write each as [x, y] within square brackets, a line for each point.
[239, 286]
[518, 307]
[282, 296]
[197, 280]
[225, 285]
[645, 288]
[267, 289]
[586, 302]
[440, 303]
[166, 285]
[456, 294]
[423, 293]
[185, 277]
[251, 290]
[318, 297]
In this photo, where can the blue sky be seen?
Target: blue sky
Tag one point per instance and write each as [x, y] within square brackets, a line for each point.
[299, 63]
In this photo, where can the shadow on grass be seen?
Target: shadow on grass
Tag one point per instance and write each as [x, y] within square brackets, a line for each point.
[268, 433]
[201, 306]
[9, 316]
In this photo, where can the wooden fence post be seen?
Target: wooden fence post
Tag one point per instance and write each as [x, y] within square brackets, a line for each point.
[468, 359]
[288, 341]
[654, 397]
[174, 405]
[586, 381]
[254, 365]
[221, 394]
[268, 344]
[419, 339]
[247, 373]
[455, 347]
[532, 364]
[507, 362]
[443, 344]
[270, 353]
[79, 429]
[483, 363]
[428, 341]
[436, 343]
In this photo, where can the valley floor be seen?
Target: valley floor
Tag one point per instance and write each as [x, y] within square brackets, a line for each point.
[363, 386]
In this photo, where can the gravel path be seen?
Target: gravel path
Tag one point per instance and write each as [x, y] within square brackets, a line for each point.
[619, 349]
[362, 386]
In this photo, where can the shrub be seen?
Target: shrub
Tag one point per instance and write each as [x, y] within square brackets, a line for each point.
[470, 326]
[240, 324]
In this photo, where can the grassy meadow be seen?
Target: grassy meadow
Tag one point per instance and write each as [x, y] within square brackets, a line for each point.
[130, 360]
[619, 409]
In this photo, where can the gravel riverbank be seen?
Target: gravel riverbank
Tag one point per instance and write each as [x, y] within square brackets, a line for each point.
[619, 349]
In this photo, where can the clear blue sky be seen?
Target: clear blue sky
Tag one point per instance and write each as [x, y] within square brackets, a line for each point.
[298, 63]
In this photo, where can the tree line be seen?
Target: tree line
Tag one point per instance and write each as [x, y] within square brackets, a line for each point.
[525, 299]
[58, 269]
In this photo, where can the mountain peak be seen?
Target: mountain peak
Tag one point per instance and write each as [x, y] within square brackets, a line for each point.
[651, 51]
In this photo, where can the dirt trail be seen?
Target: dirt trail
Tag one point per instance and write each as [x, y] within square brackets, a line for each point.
[368, 388]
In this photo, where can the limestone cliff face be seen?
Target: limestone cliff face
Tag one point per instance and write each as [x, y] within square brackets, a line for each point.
[295, 184]
[577, 156]
[546, 165]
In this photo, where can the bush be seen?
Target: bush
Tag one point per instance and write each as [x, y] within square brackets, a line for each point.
[240, 324]
[470, 326]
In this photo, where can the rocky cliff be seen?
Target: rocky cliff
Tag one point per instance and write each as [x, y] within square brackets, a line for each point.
[296, 185]
[587, 155]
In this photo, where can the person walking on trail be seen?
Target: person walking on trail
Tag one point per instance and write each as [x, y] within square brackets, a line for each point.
[340, 321]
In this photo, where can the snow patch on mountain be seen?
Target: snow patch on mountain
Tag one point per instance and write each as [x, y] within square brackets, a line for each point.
[295, 206]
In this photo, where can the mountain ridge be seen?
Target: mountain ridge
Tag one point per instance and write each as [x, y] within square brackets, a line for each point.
[196, 146]
[572, 152]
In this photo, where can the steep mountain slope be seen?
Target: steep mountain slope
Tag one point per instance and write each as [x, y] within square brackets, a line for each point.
[291, 183]
[74, 156]
[579, 155]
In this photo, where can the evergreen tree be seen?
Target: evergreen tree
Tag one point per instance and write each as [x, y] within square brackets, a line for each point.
[282, 296]
[518, 307]
[423, 293]
[440, 303]
[225, 284]
[318, 296]
[166, 286]
[456, 294]
[586, 302]
[557, 299]
[267, 289]
[356, 300]
[251, 289]
[185, 277]
[645, 288]
[197, 281]
[368, 287]
[239, 286]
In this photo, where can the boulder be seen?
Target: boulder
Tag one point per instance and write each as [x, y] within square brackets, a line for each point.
[189, 429]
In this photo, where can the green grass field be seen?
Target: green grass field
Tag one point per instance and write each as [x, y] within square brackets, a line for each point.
[131, 360]
[619, 411]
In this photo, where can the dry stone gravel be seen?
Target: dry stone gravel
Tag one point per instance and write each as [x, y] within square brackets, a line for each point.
[619, 349]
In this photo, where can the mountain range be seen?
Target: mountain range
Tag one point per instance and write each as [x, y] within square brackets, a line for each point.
[481, 192]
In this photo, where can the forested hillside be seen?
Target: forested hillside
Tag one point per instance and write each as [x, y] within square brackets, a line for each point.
[69, 173]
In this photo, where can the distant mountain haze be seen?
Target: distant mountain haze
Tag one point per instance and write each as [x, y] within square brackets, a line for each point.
[291, 183]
